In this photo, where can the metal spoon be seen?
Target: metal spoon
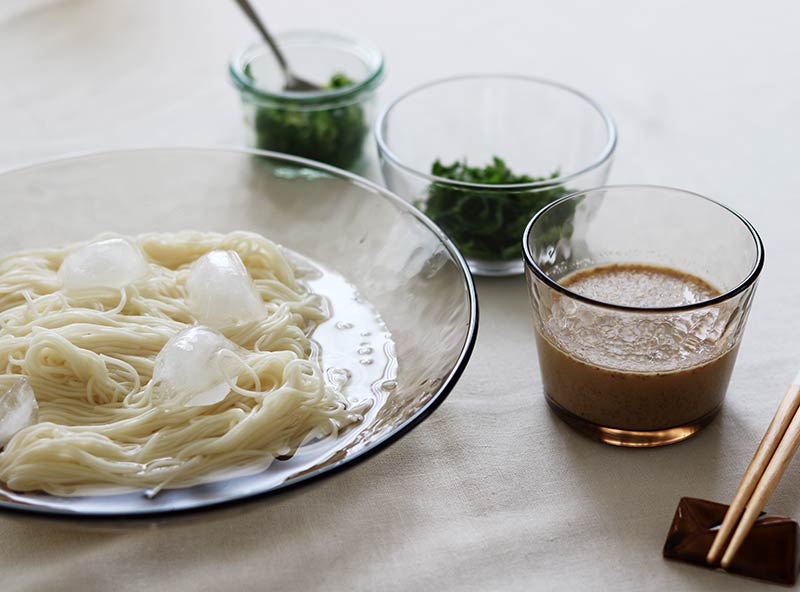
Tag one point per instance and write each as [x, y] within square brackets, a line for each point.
[292, 82]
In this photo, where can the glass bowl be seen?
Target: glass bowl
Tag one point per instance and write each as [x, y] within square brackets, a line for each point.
[633, 362]
[331, 125]
[394, 256]
[552, 140]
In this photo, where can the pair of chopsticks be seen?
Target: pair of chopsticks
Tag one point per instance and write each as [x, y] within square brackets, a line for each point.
[773, 455]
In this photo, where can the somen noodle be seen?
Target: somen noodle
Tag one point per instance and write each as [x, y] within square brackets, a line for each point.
[90, 355]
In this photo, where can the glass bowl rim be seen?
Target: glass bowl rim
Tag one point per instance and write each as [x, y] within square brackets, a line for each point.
[749, 280]
[381, 444]
[245, 83]
[605, 154]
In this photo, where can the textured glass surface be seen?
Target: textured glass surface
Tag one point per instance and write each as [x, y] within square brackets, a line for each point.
[645, 368]
[397, 260]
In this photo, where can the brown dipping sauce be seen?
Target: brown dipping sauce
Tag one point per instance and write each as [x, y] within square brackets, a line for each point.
[632, 370]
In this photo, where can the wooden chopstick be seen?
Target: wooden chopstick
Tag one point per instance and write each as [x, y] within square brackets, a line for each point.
[765, 470]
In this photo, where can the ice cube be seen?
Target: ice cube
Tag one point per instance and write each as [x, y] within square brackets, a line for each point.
[190, 370]
[220, 292]
[18, 410]
[110, 263]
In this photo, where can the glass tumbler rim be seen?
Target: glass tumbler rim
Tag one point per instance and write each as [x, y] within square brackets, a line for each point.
[604, 156]
[749, 280]
[372, 58]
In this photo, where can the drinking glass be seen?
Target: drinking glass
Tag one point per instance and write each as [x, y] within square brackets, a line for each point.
[639, 375]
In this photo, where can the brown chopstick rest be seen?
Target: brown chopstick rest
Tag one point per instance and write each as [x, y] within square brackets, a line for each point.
[769, 552]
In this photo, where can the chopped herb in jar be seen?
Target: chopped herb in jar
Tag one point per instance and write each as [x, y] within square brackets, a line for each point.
[332, 135]
[487, 224]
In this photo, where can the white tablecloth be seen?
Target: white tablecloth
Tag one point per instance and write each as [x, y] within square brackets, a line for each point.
[492, 492]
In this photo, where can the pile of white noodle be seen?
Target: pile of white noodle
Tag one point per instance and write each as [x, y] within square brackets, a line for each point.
[89, 357]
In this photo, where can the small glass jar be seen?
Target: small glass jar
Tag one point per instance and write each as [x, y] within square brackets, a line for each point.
[331, 125]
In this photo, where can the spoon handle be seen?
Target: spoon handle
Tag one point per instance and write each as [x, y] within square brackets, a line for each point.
[251, 14]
